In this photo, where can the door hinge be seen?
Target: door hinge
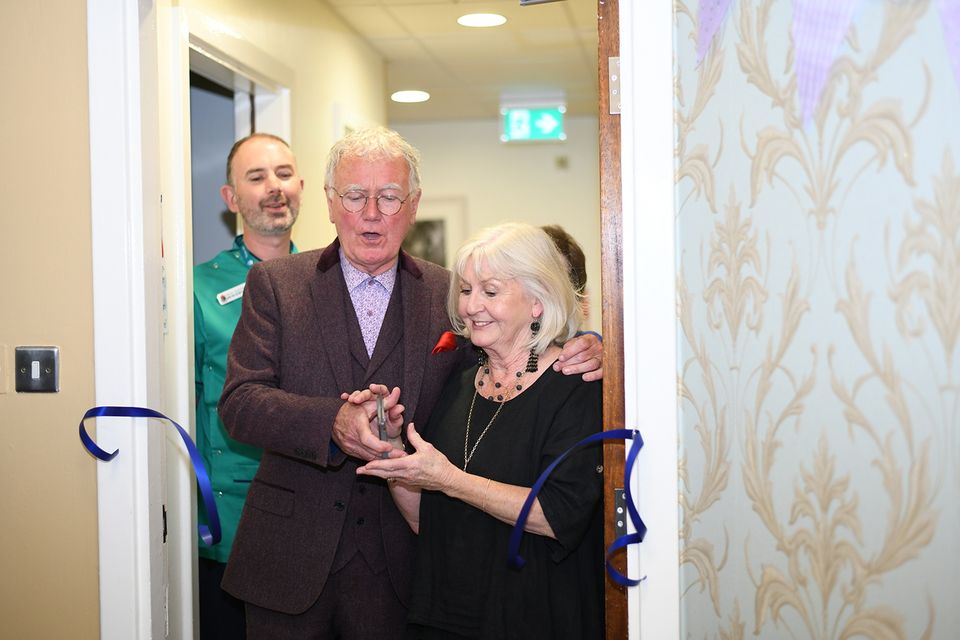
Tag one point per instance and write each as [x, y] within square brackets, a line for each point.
[613, 75]
[619, 512]
[164, 524]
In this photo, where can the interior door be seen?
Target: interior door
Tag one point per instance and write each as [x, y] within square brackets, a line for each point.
[212, 133]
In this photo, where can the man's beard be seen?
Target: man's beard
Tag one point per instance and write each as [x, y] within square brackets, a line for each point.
[270, 225]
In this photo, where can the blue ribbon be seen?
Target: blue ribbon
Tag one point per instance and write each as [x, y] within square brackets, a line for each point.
[513, 550]
[210, 534]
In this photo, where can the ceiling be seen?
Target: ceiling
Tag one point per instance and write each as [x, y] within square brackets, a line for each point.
[543, 50]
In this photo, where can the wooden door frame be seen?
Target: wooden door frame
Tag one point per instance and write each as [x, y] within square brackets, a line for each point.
[639, 262]
[611, 279]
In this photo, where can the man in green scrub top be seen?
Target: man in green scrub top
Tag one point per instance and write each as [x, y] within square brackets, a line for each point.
[264, 188]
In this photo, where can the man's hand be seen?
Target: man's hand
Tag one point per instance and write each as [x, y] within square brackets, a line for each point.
[355, 428]
[582, 354]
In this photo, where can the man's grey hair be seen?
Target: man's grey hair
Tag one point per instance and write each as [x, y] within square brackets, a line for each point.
[374, 143]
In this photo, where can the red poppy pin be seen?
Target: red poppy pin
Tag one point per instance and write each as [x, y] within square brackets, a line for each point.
[447, 342]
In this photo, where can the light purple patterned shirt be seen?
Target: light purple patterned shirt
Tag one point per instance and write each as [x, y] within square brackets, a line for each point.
[370, 295]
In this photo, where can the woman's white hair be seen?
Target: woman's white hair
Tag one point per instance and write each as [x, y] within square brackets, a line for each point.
[526, 254]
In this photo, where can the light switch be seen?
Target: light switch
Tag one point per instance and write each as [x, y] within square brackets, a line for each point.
[37, 369]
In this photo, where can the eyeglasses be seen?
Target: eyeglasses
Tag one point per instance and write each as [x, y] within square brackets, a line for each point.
[356, 201]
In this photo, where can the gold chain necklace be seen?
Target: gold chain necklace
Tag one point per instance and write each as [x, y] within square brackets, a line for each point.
[466, 438]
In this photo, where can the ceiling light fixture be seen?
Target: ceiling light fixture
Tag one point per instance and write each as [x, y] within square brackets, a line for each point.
[481, 20]
[410, 96]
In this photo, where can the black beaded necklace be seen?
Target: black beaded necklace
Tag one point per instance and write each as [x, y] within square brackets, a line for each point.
[500, 398]
[497, 386]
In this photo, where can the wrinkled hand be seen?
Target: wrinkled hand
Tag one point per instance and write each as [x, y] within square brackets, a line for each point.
[582, 354]
[355, 427]
[425, 468]
[368, 399]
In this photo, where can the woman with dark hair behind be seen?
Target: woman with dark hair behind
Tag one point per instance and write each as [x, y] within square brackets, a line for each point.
[576, 263]
[572, 253]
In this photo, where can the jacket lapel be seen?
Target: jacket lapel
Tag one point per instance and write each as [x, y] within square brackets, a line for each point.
[330, 298]
[417, 301]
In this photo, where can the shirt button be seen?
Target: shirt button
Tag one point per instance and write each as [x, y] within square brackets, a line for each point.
[359, 521]
[220, 493]
[370, 312]
[338, 505]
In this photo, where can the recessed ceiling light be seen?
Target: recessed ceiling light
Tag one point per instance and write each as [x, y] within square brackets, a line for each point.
[410, 96]
[481, 20]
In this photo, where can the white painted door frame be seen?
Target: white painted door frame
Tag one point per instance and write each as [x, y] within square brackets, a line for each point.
[173, 105]
[127, 318]
[649, 308]
[138, 75]
[237, 64]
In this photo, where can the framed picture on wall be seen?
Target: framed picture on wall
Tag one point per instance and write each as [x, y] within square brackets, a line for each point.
[428, 240]
[439, 230]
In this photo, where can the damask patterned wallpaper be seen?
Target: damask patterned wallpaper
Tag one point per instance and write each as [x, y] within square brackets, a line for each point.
[819, 315]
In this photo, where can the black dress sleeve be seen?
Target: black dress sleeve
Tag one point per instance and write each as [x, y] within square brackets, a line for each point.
[572, 494]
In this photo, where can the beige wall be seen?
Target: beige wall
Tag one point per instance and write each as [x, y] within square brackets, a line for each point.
[818, 296]
[48, 535]
[338, 79]
[539, 183]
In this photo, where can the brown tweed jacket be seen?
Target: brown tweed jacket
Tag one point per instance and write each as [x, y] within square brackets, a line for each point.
[290, 358]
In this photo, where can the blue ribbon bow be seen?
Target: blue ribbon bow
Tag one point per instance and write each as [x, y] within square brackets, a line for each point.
[209, 533]
[513, 550]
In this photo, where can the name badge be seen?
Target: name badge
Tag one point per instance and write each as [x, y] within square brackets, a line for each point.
[231, 294]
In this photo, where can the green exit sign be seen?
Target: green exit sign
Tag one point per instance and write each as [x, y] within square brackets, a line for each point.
[522, 124]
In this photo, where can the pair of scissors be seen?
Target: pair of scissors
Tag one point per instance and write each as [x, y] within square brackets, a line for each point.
[381, 423]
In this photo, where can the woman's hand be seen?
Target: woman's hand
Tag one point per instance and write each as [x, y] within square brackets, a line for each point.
[427, 468]
[423, 468]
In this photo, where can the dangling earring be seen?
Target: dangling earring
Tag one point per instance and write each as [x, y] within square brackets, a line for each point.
[533, 362]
